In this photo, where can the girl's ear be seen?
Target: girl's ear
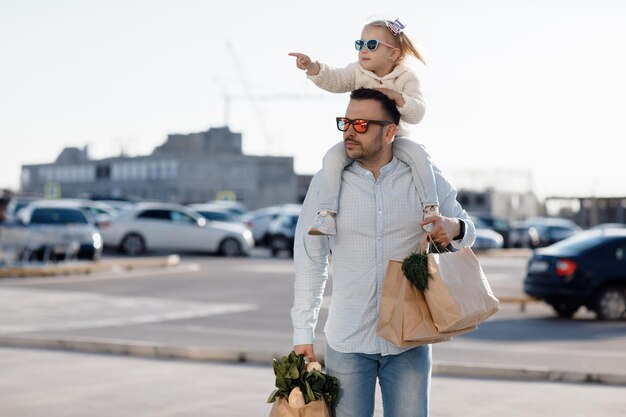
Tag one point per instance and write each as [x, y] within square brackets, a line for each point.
[395, 55]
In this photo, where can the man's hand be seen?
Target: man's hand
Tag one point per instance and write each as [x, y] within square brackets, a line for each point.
[304, 63]
[444, 229]
[394, 95]
[306, 350]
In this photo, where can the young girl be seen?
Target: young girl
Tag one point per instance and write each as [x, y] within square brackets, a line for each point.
[382, 48]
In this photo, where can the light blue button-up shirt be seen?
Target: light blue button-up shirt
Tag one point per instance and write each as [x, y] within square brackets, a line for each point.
[377, 221]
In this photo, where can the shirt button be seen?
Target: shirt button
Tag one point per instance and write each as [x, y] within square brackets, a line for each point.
[378, 238]
[380, 211]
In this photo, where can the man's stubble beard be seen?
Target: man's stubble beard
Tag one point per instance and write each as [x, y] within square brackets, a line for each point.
[363, 154]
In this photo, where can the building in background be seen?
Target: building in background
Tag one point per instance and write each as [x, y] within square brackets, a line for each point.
[588, 211]
[508, 205]
[187, 168]
[503, 193]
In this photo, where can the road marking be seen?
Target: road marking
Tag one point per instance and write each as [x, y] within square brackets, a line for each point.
[502, 276]
[229, 332]
[42, 310]
[499, 348]
[277, 268]
[118, 273]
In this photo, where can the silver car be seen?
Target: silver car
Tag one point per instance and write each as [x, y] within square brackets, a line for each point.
[56, 229]
[164, 226]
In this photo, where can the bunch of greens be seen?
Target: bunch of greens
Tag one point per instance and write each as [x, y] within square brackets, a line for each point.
[291, 373]
[415, 267]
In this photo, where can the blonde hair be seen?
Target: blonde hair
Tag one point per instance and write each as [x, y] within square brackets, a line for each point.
[405, 45]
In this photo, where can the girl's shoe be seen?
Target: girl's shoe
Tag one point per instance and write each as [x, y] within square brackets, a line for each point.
[324, 224]
[429, 211]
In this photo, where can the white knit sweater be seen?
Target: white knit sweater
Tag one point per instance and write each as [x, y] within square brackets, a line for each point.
[402, 79]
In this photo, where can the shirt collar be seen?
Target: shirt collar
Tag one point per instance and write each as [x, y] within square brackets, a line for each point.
[366, 173]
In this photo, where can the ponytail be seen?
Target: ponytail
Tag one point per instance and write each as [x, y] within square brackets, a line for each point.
[405, 45]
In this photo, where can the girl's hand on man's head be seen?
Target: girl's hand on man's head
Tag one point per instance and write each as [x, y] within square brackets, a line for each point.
[393, 95]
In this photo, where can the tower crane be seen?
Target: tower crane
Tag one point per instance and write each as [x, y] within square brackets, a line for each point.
[254, 100]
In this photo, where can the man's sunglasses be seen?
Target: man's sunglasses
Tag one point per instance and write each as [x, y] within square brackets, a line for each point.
[359, 125]
[371, 44]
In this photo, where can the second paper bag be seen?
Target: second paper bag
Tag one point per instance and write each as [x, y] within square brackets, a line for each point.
[458, 293]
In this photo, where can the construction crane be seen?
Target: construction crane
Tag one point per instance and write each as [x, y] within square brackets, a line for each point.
[255, 99]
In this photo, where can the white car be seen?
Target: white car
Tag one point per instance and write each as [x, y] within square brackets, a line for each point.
[486, 238]
[57, 229]
[259, 221]
[101, 212]
[164, 226]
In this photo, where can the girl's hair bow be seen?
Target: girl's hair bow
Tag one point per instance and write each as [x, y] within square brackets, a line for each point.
[395, 27]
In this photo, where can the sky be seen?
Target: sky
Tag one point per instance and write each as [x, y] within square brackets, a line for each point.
[528, 92]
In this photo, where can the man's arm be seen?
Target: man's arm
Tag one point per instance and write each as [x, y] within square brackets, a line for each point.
[311, 273]
[447, 226]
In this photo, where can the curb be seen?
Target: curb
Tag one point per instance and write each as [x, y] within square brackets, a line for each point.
[200, 353]
[88, 267]
[507, 252]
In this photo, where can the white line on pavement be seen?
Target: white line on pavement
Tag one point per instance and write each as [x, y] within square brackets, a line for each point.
[120, 273]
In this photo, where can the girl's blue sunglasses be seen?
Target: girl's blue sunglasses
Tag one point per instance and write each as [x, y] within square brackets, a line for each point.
[371, 44]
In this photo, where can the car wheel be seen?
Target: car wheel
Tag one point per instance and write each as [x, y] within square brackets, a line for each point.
[611, 303]
[279, 244]
[565, 310]
[133, 244]
[230, 247]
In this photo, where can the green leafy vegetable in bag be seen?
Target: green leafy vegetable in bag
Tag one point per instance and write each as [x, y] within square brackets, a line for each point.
[295, 381]
[415, 267]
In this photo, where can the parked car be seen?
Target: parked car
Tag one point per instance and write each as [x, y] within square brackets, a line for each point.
[101, 212]
[53, 227]
[546, 231]
[537, 232]
[282, 232]
[259, 220]
[519, 236]
[588, 269]
[15, 204]
[164, 226]
[497, 224]
[235, 207]
[602, 226]
[213, 212]
[486, 238]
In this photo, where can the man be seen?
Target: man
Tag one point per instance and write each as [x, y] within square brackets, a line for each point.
[379, 220]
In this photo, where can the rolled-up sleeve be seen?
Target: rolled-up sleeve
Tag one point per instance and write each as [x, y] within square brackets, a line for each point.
[311, 271]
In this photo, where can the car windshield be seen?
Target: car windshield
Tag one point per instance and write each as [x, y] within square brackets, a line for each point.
[217, 216]
[58, 216]
[580, 242]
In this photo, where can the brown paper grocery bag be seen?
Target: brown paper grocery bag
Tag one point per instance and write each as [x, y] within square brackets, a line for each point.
[404, 318]
[318, 408]
[458, 294]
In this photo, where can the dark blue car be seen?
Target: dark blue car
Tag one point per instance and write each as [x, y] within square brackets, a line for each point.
[588, 269]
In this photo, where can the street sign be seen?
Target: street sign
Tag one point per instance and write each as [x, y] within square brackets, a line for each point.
[226, 196]
[52, 190]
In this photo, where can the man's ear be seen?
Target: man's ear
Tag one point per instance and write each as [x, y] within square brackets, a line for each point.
[391, 133]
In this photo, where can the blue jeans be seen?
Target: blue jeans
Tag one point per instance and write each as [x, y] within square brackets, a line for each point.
[404, 382]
